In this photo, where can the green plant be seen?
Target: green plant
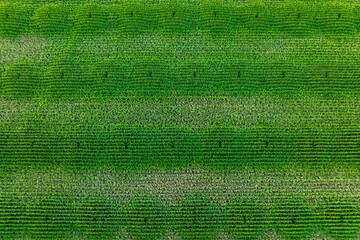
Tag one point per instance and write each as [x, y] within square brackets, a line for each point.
[29, 143]
[149, 77]
[14, 18]
[11, 212]
[133, 17]
[339, 217]
[21, 80]
[220, 147]
[176, 148]
[334, 18]
[195, 77]
[217, 17]
[241, 77]
[97, 217]
[245, 218]
[255, 16]
[293, 218]
[110, 76]
[52, 18]
[292, 18]
[90, 18]
[177, 18]
[66, 75]
[50, 216]
[145, 217]
[196, 217]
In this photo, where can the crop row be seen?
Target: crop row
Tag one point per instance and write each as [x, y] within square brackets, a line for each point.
[115, 76]
[214, 17]
[194, 217]
[132, 148]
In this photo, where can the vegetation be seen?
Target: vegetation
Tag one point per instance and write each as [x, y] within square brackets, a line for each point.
[173, 17]
[51, 19]
[245, 218]
[21, 80]
[177, 18]
[72, 143]
[196, 217]
[97, 217]
[145, 217]
[293, 219]
[49, 216]
[339, 217]
[90, 17]
[14, 19]
[114, 67]
[12, 215]
[284, 76]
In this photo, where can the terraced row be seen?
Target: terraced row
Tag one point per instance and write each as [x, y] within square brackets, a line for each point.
[69, 76]
[194, 217]
[132, 148]
[213, 17]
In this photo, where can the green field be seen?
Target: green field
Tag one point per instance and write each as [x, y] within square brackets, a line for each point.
[251, 204]
[179, 119]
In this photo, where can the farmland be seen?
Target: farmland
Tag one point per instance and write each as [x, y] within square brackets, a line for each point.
[228, 133]
[179, 119]
[133, 205]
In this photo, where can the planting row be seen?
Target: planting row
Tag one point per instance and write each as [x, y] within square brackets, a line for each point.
[132, 148]
[214, 17]
[114, 76]
[193, 217]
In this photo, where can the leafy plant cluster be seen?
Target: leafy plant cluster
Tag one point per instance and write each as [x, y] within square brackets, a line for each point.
[213, 17]
[193, 217]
